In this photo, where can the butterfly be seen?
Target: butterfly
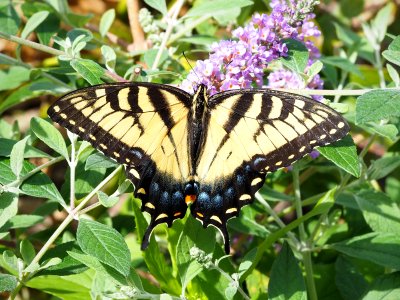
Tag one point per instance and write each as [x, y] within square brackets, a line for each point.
[211, 153]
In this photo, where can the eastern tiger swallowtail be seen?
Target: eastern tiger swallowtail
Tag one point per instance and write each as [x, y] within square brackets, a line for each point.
[213, 152]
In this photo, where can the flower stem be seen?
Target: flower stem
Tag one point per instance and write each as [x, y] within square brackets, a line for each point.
[187, 28]
[227, 276]
[72, 167]
[305, 250]
[276, 218]
[61, 228]
[167, 34]
[31, 44]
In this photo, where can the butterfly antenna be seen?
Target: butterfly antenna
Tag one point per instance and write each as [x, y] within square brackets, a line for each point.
[191, 67]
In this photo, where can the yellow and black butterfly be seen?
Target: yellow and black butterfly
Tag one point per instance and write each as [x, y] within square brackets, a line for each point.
[212, 152]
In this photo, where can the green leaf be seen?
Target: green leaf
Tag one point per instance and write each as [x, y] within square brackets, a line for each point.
[193, 235]
[105, 200]
[159, 5]
[27, 251]
[88, 69]
[248, 224]
[33, 22]
[341, 63]
[23, 93]
[150, 56]
[8, 207]
[9, 20]
[350, 282]
[297, 56]
[381, 21]
[314, 69]
[380, 212]
[348, 37]
[378, 247]
[153, 257]
[37, 185]
[73, 287]
[95, 264]
[49, 135]
[395, 44]
[106, 21]
[11, 263]
[389, 131]
[392, 56]
[7, 283]
[377, 105]
[230, 292]
[286, 280]
[104, 243]
[247, 262]
[343, 153]
[215, 7]
[85, 180]
[323, 206]
[394, 75]
[68, 266]
[6, 146]
[98, 160]
[13, 77]
[17, 156]
[385, 287]
[23, 221]
[109, 57]
[382, 167]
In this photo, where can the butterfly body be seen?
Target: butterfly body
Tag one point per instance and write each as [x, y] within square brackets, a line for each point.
[210, 152]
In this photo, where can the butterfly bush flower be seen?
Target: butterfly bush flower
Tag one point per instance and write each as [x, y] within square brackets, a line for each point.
[240, 63]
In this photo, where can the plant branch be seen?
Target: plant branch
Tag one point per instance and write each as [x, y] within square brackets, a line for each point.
[236, 283]
[275, 217]
[21, 179]
[305, 252]
[171, 23]
[187, 28]
[31, 44]
[64, 224]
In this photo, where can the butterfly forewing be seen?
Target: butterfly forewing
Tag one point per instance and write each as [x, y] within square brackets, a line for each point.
[250, 133]
[144, 127]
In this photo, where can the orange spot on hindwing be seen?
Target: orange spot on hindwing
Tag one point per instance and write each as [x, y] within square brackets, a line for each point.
[190, 198]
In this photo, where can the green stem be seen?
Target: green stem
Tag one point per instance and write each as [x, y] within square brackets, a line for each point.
[275, 217]
[167, 34]
[49, 50]
[340, 87]
[61, 228]
[227, 276]
[72, 167]
[31, 44]
[378, 65]
[187, 28]
[16, 62]
[363, 152]
[89, 208]
[21, 179]
[305, 252]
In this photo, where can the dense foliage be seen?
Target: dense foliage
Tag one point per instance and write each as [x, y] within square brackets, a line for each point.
[325, 228]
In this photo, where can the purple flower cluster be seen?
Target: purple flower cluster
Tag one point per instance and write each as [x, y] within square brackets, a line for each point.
[241, 63]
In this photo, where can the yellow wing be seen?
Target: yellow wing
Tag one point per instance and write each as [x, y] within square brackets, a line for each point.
[249, 133]
[144, 127]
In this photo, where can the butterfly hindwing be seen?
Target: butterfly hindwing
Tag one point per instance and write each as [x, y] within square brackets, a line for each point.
[144, 127]
[250, 133]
